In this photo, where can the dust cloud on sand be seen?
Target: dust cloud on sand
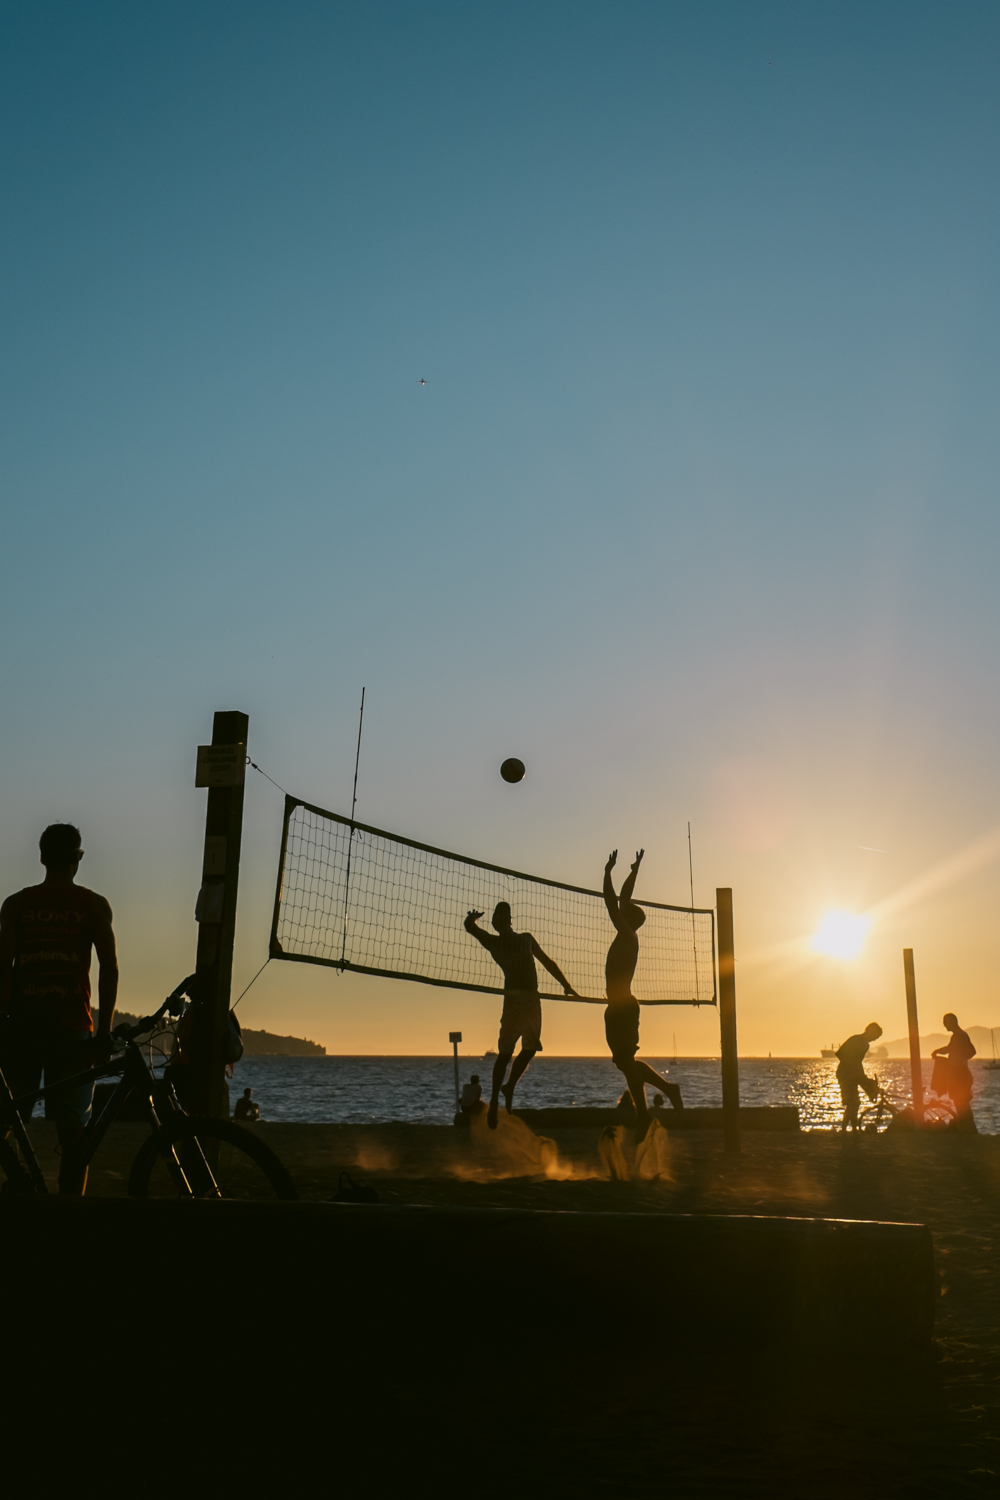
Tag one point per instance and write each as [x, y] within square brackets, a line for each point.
[629, 1161]
[512, 1150]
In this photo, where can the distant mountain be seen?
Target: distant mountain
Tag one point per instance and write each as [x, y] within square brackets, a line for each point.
[979, 1036]
[266, 1044]
[255, 1043]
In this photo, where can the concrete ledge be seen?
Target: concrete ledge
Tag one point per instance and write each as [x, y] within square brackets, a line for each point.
[370, 1273]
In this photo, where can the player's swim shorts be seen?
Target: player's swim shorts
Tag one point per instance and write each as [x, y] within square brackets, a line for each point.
[522, 1017]
[621, 1027]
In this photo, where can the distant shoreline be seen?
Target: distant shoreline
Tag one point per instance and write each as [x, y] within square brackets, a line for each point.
[660, 1057]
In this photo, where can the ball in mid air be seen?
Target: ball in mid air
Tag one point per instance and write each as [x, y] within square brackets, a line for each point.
[512, 769]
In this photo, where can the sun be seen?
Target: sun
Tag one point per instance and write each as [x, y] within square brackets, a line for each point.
[840, 934]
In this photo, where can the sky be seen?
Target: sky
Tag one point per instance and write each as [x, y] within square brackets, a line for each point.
[696, 512]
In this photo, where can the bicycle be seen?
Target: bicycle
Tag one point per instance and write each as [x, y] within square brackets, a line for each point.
[185, 1156]
[890, 1111]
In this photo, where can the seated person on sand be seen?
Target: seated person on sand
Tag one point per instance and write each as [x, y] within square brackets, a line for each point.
[515, 952]
[470, 1100]
[246, 1109]
[621, 1019]
[851, 1074]
[959, 1052]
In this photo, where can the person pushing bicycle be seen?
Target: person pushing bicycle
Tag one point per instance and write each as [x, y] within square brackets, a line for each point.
[851, 1073]
[47, 934]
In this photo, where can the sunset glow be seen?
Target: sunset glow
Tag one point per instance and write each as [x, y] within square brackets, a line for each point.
[841, 934]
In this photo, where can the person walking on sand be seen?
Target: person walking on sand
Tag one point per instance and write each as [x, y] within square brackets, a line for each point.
[851, 1073]
[515, 952]
[959, 1052]
[621, 1019]
[47, 932]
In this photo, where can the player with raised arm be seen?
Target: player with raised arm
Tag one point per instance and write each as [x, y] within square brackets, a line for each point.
[621, 1019]
[515, 952]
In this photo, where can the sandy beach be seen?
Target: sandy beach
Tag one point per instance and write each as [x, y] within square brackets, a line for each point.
[796, 1428]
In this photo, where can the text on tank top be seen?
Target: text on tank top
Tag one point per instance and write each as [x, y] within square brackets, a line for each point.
[53, 936]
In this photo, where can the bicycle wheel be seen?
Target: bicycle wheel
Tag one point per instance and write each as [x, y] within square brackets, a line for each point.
[17, 1181]
[241, 1164]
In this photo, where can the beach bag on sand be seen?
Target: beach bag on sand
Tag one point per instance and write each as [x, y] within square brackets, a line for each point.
[354, 1192]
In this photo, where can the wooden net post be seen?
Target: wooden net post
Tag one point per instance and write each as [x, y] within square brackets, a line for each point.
[727, 1024]
[916, 1073]
[222, 769]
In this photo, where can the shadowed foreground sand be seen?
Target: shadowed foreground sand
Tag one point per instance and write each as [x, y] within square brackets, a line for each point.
[675, 1420]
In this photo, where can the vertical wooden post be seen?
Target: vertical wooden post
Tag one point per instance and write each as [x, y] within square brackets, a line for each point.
[221, 768]
[454, 1038]
[916, 1073]
[727, 1023]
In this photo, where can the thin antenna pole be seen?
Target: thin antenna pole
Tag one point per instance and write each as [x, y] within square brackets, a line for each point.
[357, 759]
[350, 842]
[694, 934]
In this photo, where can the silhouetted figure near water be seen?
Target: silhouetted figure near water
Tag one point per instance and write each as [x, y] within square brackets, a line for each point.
[957, 1080]
[246, 1110]
[470, 1101]
[47, 932]
[515, 952]
[621, 1019]
[851, 1073]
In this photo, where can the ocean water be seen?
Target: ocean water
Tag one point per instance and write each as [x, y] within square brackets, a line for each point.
[366, 1090]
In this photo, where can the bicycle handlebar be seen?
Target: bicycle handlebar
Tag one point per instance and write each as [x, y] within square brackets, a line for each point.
[127, 1033]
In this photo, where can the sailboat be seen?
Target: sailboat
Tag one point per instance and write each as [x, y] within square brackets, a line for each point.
[996, 1060]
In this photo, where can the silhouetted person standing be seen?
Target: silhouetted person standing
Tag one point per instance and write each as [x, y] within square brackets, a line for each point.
[621, 1019]
[851, 1073]
[515, 952]
[47, 932]
[960, 1051]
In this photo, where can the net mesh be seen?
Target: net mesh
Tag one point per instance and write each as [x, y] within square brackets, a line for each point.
[354, 897]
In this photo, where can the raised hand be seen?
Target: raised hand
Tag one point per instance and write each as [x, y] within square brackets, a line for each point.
[612, 860]
[638, 858]
[474, 915]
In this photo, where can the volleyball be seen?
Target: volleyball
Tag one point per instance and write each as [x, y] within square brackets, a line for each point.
[512, 769]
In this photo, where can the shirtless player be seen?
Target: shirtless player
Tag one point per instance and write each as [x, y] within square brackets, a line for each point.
[621, 1019]
[515, 952]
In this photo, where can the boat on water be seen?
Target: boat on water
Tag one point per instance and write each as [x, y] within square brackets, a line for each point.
[995, 1061]
[876, 1054]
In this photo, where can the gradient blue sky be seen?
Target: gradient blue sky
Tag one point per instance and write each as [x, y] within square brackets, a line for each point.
[697, 512]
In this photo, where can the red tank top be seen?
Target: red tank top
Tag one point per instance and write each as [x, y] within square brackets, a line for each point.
[53, 936]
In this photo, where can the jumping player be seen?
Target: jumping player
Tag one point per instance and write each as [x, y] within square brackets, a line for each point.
[515, 952]
[621, 1019]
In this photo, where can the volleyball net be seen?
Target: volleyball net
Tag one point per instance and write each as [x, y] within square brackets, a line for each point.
[357, 898]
